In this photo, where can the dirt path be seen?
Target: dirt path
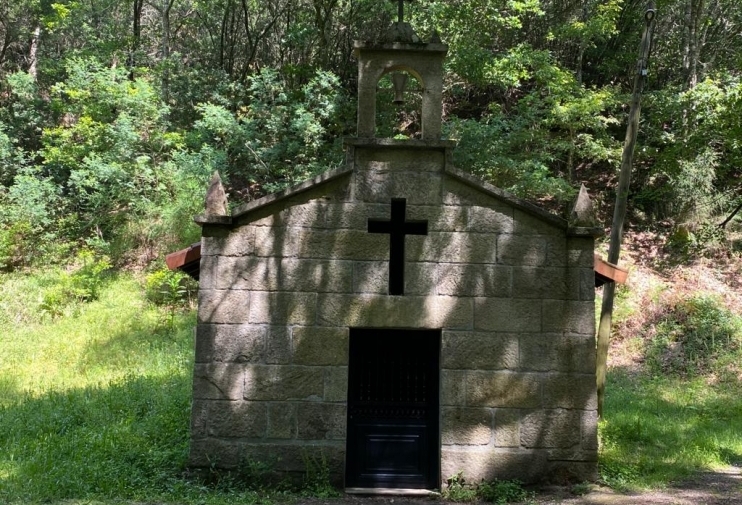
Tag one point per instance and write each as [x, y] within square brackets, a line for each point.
[708, 488]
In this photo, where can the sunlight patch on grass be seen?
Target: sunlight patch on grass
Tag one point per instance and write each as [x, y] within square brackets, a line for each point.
[658, 430]
[103, 341]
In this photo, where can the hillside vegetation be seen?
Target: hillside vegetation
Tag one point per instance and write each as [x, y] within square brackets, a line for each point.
[113, 115]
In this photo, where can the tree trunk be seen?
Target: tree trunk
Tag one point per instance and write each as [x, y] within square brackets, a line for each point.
[619, 212]
[167, 6]
[33, 53]
[136, 32]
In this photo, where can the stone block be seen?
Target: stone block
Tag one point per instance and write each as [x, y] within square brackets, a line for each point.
[589, 427]
[249, 273]
[569, 317]
[420, 279]
[336, 384]
[453, 387]
[550, 428]
[539, 282]
[495, 219]
[475, 280]
[507, 315]
[221, 241]
[208, 272]
[456, 247]
[490, 464]
[283, 308]
[586, 282]
[199, 418]
[556, 352]
[373, 277]
[319, 276]
[309, 214]
[321, 244]
[383, 311]
[571, 454]
[418, 188]
[445, 218]
[217, 381]
[223, 306]
[507, 427]
[238, 343]
[570, 391]
[479, 351]
[503, 389]
[521, 250]
[282, 420]
[556, 251]
[319, 346]
[528, 224]
[210, 452]
[296, 458]
[568, 472]
[281, 383]
[399, 160]
[320, 421]
[355, 215]
[237, 419]
[581, 252]
[466, 426]
[278, 345]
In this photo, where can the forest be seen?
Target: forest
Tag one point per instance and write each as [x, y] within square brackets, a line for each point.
[114, 114]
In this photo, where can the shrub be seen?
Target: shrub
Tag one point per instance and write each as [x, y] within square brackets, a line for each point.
[169, 287]
[82, 284]
[696, 336]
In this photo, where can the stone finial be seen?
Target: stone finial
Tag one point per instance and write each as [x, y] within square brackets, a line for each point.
[583, 213]
[435, 37]
[216, 197]
[402, 32]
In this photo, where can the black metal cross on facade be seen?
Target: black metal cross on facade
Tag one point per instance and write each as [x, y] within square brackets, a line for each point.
[400, 9]
[397, 227]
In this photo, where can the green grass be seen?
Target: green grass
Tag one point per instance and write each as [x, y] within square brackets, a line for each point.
[95, 402]
[660, 429]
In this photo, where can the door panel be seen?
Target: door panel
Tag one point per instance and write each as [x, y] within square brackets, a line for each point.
[393, 434]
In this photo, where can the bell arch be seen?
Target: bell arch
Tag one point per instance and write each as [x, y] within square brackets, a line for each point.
[423, 61]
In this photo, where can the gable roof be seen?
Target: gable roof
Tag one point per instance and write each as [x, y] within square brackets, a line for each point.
[449, 170]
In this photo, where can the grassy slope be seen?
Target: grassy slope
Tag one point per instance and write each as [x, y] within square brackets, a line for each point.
[674, 393]
[95, 404]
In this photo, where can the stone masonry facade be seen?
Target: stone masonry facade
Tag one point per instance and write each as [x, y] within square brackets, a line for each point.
[511, 288]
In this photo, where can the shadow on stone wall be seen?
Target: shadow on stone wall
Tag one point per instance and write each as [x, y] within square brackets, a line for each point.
[517, 380]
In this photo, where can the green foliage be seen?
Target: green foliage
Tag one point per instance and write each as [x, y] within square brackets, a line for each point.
[693, 154]
[497, 491]
[169, 287]
[82, 283]
[504, 491]
[316, 482]
[280, 137]
[696, 336]
[458, 490]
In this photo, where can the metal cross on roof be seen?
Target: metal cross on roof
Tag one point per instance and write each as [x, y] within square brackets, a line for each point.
[400, 9]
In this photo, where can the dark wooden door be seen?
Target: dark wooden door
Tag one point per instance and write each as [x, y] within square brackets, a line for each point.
[393, 386]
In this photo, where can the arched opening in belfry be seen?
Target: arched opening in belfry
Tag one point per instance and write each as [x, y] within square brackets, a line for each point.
[399, 105]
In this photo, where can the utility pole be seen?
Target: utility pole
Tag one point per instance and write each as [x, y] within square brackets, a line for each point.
[622, 194]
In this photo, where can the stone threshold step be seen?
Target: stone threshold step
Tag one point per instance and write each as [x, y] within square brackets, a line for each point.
[384, 491]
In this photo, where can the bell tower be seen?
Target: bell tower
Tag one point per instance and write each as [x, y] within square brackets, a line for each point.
[400, 52]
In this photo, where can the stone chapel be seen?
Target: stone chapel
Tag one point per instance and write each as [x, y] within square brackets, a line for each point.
[397, 320]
